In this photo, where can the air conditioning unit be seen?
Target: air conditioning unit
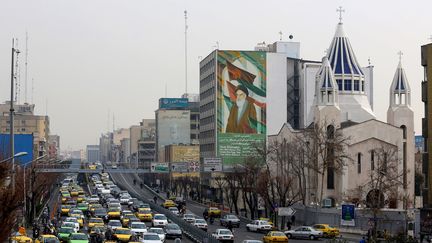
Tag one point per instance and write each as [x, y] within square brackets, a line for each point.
[327, 203]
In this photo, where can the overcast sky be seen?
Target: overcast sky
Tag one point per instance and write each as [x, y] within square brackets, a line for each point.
[89, 57]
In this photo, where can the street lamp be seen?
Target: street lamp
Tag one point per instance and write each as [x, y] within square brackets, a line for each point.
[15, 156]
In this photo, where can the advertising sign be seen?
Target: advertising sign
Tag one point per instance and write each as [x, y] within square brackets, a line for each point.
[348, 215]
[23, 143]
[180, 166]
[241, 104]
[169, 103]
[173, 127]
[159, 167]
[212, 165]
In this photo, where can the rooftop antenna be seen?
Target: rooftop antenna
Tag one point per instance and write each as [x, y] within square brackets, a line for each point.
[280, 35]
[340, 10]
[16, 74]
[186, 27]
[25, 78]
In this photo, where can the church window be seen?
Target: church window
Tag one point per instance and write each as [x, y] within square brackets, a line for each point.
[339, 83]
[330, 132]
[372, 160]
[359, 163]
[404, 161]
[330, 177]
[362, 86]
[404, 131]
[348, 85]
[356, 85]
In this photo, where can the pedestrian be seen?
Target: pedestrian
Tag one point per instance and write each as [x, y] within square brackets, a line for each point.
[230, 226]
[293, 220]
[289, 225]
[155, 199]
[363, 240]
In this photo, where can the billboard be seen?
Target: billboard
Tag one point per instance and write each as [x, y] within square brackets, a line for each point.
[173, 127]
[159, 167]
[241, 104]
[23, 143]
[170, 103]
[348, 215]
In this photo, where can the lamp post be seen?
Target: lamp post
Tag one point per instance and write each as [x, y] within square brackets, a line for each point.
[15, 156]
[11, 115]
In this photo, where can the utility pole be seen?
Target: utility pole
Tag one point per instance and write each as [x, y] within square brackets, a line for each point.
[186, 27]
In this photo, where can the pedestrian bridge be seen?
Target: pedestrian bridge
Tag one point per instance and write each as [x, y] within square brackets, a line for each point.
[66, 168]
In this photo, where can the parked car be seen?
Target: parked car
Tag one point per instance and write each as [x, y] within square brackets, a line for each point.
[304, 232]
[230, 218]
[259, 226]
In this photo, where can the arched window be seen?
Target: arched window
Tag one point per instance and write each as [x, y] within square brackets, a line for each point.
[404, 131]
[359, 163]
[372, 160]
[330, 132]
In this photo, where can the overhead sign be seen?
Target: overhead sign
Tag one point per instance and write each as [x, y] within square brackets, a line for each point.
[168, 103]
[286, 211]
[348, 215]
[159, 167]
[180, 166]
[212, 164]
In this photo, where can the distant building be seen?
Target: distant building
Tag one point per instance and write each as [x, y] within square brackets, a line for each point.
[142, 143]
[105, 147]
[125, 150]
[53, 146]
[93, 153]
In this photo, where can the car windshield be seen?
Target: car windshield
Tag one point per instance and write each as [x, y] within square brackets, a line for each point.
[71, 220]
[114, 223]
[200, 221]
[278, 234]
[113, 210]
[66, 230]
[100, 210]
[189, 216]
[123, 231]
[231, 217]
[151, 237]
[51, 240]
[156, 230]
[96, 220]
[79, 237]
[225, 232]
[69, 224]
[160, 217]
[173, 227]
[138, 226]
[145, 211]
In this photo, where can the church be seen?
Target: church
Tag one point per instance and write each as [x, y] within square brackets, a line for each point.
[377, 166]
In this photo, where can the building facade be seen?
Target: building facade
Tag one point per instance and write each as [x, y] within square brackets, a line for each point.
[426, 62]
[93, 153]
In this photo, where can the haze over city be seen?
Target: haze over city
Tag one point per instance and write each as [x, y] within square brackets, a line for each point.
[91, 58]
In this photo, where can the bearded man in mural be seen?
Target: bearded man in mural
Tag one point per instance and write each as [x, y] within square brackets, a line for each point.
[242, 113]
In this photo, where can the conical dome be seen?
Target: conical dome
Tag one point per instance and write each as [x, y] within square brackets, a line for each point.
[400, 91]
[326, 85]
[347, 71]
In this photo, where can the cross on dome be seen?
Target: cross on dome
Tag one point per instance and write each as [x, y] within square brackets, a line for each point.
[400, 53]
[340, 10]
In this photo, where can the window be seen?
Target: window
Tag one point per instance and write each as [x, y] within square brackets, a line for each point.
[404, 131]
[359, 163]
[23, 129]
[356, 85]
[372, 160]
[330, 131]
[348, 85]
[362, 86]
[339, 83]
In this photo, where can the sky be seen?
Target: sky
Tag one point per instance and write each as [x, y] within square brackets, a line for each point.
[94, 59]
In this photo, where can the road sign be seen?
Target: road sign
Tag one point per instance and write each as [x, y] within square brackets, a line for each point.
[286, 211]
[180, 166]
[348, 215]
[159, 167]
[212, 164]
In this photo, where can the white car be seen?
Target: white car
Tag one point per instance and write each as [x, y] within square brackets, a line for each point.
[159, 231]
[201, 223]
[188, 217]
[174, 210]
[124, 199]
[259, 226]
[223, 235]
[138, 227]
[70, 225]
[159, 220]
[304, 232]
[151, 238]
[73, 220]
[114, 224]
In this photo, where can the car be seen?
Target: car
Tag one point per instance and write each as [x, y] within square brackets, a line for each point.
[188, 217]
[113, 166]
[64, 209]
[122, 234]
[83, 206]
[174, 210]
[230, 218]
[151, 238]
[138, 228]
[93, 199]
[73, 220]
[94, 206]
[270, 222]
[159, 231]
[95, 222]
[114, 224]
[100, 213]
[20, 239]
[180, 200]
[46, 238]
[173, 231]
[70, 225]
[125, 218]
[168, 203]
[125, 199]
[259, 226]
[327, 230]
[304, 232]
[96, 228]
[213, 211]
[64, 233]
[78, 238]
[144, 215]
[223, 235]
[200, 223]
[159, 220]
[113, 213]
[274, 237]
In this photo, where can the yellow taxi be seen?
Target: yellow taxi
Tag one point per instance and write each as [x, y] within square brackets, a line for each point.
[168, 203]
[80, 199]
[47, 238]
[92, 207]
[20, 239]
[269, 221]
[122, 234]
[144, 215]
[65, 209]
[74, 192]
[327, 230]
[95, 222]
[275, 236]
[65, 197]
[215, 212]
[78, 217]
[125, 219]
[113, 213]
